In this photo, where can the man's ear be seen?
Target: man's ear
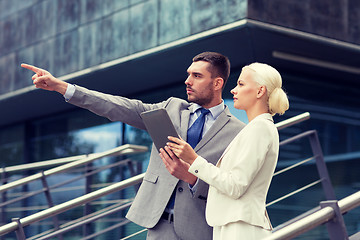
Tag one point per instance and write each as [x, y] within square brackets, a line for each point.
[261, 91]
[218, 83]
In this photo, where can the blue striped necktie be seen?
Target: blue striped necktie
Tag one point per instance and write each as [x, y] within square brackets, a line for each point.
[194, 133]
[194, 136]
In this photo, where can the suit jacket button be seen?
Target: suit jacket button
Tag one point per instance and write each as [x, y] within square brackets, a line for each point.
[196, 171]
[180, 189]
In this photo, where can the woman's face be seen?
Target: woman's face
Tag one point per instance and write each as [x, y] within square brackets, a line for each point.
[246, 91]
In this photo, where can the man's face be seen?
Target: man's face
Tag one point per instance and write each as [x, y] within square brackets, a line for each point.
[199, 84]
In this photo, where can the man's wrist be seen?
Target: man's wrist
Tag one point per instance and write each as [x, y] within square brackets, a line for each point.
[192, 180]
[193, 187]
[62, 87]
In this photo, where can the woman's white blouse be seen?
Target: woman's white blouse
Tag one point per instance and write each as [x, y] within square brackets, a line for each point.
[241, 178]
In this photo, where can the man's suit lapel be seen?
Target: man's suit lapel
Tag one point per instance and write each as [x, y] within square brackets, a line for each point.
[184, 123]
[220, 122]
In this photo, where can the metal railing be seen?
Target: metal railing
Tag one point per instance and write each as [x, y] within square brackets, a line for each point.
[85, 161]
[42, 164]
[121, 150]
[329, 212]
[320, 164]
[292, 121]
[75, 162]
[18, 224]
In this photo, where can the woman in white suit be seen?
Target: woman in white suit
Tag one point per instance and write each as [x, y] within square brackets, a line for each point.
[241, 178]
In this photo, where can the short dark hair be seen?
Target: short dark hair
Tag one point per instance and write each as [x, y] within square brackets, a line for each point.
[219, 64]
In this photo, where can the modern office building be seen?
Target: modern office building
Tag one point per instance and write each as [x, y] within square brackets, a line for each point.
[142, 48]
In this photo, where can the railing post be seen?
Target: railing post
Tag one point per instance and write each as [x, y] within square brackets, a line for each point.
[321, 166]
[3, 196]
[336, 226]
[87, 210]
[4, 176]
[50, 201]
[20, 234]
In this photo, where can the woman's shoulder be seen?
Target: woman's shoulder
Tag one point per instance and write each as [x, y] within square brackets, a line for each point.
[262, 125]
[264, 120]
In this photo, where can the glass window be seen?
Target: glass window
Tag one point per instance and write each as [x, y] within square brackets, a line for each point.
[12, 145]
[59, 136]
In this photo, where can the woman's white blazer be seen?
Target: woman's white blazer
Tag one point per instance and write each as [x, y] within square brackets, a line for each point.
[241, 178]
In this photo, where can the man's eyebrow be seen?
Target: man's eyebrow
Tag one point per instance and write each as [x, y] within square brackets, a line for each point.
[197, 73]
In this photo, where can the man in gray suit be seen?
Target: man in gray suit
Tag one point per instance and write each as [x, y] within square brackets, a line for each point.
[170, 201]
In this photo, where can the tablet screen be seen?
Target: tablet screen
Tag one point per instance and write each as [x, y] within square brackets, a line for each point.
[159, 126]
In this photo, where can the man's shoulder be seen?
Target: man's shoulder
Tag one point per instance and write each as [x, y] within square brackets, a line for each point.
[177, 102]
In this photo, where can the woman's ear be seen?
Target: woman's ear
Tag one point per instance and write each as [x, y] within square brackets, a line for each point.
[218, 83]
[261, 91]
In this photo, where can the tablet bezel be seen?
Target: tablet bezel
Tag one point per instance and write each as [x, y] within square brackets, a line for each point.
[159, 126]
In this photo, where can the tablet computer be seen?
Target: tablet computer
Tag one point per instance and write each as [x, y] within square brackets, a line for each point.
[159, 126]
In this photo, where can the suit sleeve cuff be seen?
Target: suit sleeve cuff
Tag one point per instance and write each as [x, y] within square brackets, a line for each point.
[70, 90]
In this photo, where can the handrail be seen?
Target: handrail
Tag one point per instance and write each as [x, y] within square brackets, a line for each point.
[42, 164]
[297, 137]
[291, 121]
[124, 149]
[350, 202]
[60, 208]
[294, 192]
[84, 220]
[53, 188]
[315, 219]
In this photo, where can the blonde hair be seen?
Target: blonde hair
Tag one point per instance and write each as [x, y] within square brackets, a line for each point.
[267, 76]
